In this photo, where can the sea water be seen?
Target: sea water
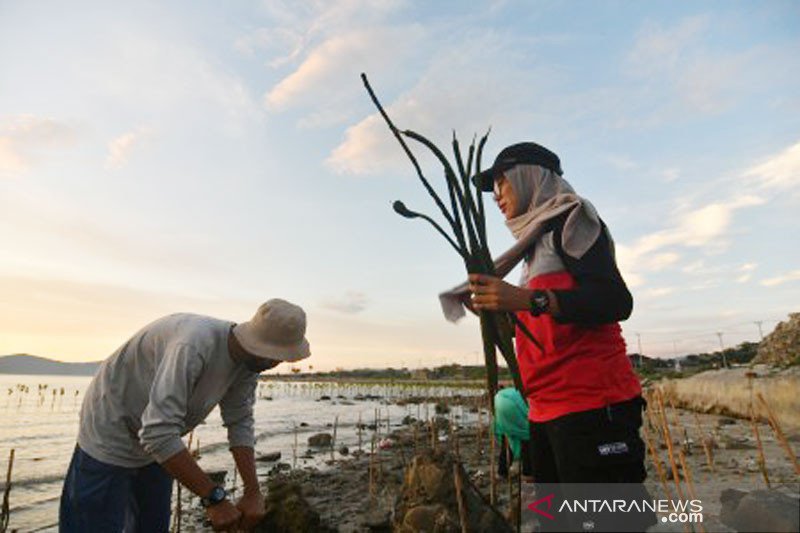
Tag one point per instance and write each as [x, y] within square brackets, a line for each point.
[39, 420]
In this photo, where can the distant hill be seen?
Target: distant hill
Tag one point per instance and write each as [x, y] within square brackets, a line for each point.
[31, 364]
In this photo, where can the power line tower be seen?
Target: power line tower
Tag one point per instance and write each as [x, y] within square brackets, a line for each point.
[722, 350]
[639, 342]
[760, 332]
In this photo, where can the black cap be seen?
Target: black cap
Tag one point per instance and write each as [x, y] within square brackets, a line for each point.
[527, 153]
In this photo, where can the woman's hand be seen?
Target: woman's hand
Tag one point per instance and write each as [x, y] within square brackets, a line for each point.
[490, 293]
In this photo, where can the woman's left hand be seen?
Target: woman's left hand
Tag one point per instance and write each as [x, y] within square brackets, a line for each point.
[490, 293]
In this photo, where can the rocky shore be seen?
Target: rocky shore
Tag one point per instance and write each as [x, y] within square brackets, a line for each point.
[436, 475]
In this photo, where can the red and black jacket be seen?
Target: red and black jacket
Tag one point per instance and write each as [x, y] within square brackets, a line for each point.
[584, 364]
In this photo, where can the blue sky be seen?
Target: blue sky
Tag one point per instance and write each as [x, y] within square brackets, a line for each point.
[205, 156]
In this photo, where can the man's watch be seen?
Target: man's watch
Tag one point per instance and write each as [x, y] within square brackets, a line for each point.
[216, 496]
[539, 303]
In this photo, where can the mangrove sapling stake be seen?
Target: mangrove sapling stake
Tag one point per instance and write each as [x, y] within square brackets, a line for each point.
[776, 428]
[465, 217]
[5, 512]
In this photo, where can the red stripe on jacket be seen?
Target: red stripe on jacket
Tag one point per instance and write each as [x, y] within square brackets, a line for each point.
[581, 368]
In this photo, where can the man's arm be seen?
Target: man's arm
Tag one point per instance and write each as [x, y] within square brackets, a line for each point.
[236, 408]
[245, 460]
[251, 504]
[224, 515]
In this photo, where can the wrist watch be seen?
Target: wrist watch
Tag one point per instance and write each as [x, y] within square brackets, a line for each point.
[539, 302]
[216, 495]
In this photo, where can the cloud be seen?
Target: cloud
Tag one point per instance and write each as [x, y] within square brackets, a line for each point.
[780, 171]
[468, 105]
[793, 275]
[329, 72]
[351, 302]
[119, 149]
[657, 292]
[746, 272]
[684, 69]
[28, 139]
[700, 227]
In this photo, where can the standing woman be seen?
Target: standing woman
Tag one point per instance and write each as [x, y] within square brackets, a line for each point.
[584, 397]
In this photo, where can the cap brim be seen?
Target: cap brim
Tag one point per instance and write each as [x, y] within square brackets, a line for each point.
[485, 180]
[278, 352]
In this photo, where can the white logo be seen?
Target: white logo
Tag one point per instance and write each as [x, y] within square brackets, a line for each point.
[613, 448]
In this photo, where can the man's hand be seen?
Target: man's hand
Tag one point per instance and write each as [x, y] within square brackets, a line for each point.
[251, 504]
[224, 516]
[493, 294]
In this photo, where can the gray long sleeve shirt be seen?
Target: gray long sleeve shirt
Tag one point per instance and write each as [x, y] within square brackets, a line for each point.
[161, 384]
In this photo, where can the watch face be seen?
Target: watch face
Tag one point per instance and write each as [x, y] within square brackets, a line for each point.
[217, 495]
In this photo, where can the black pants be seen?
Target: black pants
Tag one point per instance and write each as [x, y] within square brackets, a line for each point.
[574, 453]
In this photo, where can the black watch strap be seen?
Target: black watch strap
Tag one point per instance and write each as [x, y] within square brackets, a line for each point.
[539, 303]
[214, 497]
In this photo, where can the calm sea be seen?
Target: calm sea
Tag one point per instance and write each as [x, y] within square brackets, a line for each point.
[39, 419]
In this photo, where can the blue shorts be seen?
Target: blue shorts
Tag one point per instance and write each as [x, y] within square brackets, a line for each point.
[101, 497]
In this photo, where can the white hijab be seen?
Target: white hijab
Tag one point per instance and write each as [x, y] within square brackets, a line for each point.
[544, 195]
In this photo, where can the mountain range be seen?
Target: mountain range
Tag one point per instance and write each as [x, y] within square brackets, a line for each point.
[32, 364]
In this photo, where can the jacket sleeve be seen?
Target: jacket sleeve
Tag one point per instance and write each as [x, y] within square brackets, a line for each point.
[163, 417]
[600, 295]
[236, 408]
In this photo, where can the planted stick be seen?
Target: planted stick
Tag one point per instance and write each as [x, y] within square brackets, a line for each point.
[689, 483]
[462, 512]
[372, 467]
[294, 446]
[762, 462]
[333, 440]
[656, 461]
[359, 432]
[5, 512]
[670, 451]
[706, 445]
[776, 427]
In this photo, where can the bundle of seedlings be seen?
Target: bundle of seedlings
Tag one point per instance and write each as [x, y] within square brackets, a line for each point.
[465, 216]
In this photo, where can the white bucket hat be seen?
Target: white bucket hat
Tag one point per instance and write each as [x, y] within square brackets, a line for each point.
[277, 331]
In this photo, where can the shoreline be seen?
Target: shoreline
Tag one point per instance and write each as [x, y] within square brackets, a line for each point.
[359, 492]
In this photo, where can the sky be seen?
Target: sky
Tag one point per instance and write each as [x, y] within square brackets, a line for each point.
[206, 156]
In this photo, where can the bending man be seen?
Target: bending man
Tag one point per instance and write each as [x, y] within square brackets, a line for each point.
[157, 387]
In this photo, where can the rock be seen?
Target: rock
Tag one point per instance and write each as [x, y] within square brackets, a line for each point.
[442, 408]
[428, 518]
[730, 499]
[378, 520]
[288, 511]
[427, 501]
[320, 440]
[408, 420]
[268, 457]
[344, 450]
[441, 423]
[760, 510]
[218, 476]
[782, 346]
[734, 443]
[280, 467]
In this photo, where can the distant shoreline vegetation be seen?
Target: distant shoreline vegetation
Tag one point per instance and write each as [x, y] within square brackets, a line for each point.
[647, 367]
